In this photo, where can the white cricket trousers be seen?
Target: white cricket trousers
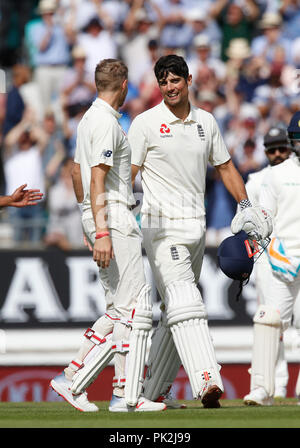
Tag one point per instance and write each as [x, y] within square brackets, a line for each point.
[124, 278]
[175, 250]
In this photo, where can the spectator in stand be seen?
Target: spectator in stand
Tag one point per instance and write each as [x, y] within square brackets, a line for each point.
[51, 53]
[53, 150]
[78, 87]
[237, 52]
[14, 107]
[243, 70]
[271, 41]
[149, 90]
[290, 11]
[175, 31]
[248, 163]
[206, 100]
[97, 42]
[244, 127]
[200, 22]
[76, 14]
[235, 20]
[139, 29]
[23, 147]
[202, 61]
[64, 229]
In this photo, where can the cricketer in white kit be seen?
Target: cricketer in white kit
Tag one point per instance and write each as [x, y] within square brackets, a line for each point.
[280, 192]
[172, 145]
[103, 155]
[277, 150]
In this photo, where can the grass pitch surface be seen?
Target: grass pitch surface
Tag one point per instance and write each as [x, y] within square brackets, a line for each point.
[233, 414]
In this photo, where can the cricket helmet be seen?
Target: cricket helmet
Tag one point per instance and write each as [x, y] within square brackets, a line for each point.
[294, 127]
[235, 257]
[276, 137]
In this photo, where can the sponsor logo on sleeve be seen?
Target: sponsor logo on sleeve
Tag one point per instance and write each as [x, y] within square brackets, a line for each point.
[107, 153]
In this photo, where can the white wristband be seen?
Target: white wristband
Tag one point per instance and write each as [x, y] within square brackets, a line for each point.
[80, 206]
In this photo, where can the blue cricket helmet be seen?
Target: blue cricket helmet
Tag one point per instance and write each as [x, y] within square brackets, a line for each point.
[294, 127]
[235, 257]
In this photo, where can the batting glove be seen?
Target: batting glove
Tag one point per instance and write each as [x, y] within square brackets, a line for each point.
[255, 221]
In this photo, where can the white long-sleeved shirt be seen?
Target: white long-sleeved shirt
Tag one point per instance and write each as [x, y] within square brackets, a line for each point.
[280, 193]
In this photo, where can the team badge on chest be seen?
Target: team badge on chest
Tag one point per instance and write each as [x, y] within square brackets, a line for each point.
[201, 132]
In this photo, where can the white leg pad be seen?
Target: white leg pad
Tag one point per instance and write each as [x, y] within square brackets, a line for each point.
[163, 363]
[136, 360]
[281, 368]
[94, 362]
[267, 327]
[186, 317]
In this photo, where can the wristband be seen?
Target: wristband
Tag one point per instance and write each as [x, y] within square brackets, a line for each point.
[80, 206]
[244, 203]
[101, 235]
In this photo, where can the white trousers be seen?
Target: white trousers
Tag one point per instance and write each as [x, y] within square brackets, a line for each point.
[282, 295]
[175, 251]
[124, 278]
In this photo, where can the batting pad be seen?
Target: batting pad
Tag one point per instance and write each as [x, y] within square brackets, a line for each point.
[95, 361]
[136, 358]
[186, 317]
[266, 337]
[163, 363]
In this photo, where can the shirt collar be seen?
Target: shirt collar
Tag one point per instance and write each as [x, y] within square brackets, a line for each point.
[101, 103]
[171, 118]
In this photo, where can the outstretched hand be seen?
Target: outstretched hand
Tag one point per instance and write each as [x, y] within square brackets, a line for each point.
[22, 198]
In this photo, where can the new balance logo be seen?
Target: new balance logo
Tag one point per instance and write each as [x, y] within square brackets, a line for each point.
[174, 253]
[201, 132]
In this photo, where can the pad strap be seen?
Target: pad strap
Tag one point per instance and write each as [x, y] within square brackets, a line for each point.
[94, 337]
[76, 364]
[119, 381]
[120, 346]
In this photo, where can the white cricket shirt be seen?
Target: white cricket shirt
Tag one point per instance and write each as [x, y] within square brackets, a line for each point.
[173, 156]
[280, 193]
[101, 140]
[253, 185]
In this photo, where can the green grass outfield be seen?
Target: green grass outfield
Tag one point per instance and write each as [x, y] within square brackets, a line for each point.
[233, 414]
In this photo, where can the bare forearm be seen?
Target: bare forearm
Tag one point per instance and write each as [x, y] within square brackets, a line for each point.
[5, 201]
[98, 199]
[77, 182]
[232, 180]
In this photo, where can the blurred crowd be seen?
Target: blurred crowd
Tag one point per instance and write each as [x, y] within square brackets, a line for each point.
[244, 56]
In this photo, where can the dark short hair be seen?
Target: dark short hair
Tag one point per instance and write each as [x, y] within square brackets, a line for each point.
[171, 64]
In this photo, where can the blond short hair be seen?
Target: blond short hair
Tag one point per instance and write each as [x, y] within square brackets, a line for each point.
[109, 74]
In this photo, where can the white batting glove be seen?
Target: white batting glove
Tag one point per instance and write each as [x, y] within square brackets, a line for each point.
[255, 221]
